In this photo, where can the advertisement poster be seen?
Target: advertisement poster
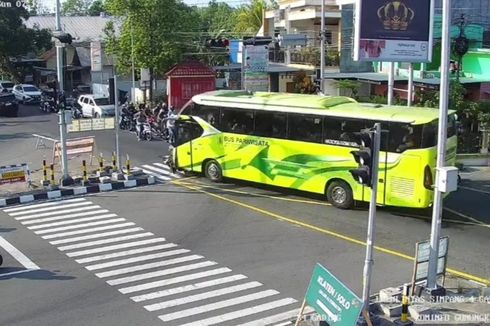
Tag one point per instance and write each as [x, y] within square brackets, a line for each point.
[394, 31]
[257, 61]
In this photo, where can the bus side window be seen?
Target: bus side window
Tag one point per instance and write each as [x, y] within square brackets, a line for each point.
[304, 128]
[237, 121]
[210, 114]
[270, 124]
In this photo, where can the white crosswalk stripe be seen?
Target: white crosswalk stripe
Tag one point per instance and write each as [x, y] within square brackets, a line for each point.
[291, 315]
[191, 290]
[160, 171]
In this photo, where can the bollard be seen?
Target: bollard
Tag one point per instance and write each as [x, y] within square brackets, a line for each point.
[101, 163]
[53, 182]
[114, 167]
[128, 166]
[84, 166]
[45, 172]
[405, 302]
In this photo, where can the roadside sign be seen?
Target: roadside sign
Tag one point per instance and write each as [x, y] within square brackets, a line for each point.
[78, 125]
[422, 250]
[96, 56]
[292, 40]
[14, 173]
[330, 298]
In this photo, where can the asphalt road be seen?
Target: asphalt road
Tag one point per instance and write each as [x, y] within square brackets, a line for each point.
[236, 230]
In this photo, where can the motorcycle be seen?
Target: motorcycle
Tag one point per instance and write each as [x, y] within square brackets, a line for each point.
[146, 132]
[47, 103]
[125, 122]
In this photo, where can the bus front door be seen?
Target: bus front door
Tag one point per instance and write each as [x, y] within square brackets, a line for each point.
[186, 131]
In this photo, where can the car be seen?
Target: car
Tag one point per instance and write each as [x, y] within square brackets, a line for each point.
[26, 93]
[6, 86]
[96, 106]
[8, 105]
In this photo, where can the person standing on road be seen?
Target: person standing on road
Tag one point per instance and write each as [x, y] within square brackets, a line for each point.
[171, 118]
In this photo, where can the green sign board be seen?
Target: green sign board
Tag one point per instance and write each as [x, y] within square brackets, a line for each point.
[335, 303]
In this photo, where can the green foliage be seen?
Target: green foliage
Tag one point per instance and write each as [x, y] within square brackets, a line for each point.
[378, 99]
[16, 39]
[248, 18]
[95, 8]
[303, 83]
[74, 7]
[351, 85]
[158, 29]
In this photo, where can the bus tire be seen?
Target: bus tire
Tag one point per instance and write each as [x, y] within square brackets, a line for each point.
[339, 194]
[213, 171]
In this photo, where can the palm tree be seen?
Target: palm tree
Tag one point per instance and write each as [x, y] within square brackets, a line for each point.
[249, 18]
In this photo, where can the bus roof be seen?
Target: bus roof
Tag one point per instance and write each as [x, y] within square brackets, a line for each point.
[339, 106]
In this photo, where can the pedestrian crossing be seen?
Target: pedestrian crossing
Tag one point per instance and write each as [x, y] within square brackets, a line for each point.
[160, 171]
[176, 285]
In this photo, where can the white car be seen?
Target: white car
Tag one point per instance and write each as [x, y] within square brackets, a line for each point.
[25, 93]
[6, 86]
[96, 106]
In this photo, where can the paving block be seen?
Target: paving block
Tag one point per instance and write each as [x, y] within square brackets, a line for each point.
[390, 295]
[391, 309]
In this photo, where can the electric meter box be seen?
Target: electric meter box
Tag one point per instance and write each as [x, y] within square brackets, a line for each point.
[447, 180]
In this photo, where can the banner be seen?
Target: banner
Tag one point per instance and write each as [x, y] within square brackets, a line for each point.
[14, 173]
[393, 31]
[256, 65]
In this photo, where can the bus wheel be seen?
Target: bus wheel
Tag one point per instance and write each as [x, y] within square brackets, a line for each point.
[339, 194]
[213, 171]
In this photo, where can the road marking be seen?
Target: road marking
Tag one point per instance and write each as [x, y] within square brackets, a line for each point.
[202, 296]
[124, 253]
[62, 217]
[217, 305]
[292, 314]
[166, 167]
[327, 232]
[156, 170]
[163, 272]
[79, 226]
[474, 189]
[175, 280]
[155, 175]
[71, 221]
[477, 222]
[186, 288]
[148, 266]
[304, 201]
[137, 259]
[19, 256]
[95, 236]
[114, 247]
[73, 210]
[51, 208]
[107, 227]
[242, 313]
[53, 203]
[105, 241]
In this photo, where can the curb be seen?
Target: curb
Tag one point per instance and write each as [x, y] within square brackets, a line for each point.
[80, 190]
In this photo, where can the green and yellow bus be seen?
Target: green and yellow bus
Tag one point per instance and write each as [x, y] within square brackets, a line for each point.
[304, 142]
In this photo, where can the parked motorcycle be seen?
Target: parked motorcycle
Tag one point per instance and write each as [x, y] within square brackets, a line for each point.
[147, 132]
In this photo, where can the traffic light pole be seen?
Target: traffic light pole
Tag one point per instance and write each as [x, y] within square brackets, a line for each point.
[368, 263]
[66, 179]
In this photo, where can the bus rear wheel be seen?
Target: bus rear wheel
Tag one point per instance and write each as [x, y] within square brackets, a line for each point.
[339, 194]
[213, 171]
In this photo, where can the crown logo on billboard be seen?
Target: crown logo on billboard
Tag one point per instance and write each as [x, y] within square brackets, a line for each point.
[395, 15]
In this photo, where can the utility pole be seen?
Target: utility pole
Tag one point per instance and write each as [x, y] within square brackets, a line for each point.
[441, 146]
[410, 84]
[322, 46]
[133, 74]
[244, 63]
[391, 82]
[66, 179]
[287, 57]
[116, 117]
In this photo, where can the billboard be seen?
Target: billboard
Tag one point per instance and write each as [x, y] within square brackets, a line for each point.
[257, 62]
[393, 30]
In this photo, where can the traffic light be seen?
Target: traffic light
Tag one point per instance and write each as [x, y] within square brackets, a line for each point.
[217, 43]
[64, 38]
[364, 157]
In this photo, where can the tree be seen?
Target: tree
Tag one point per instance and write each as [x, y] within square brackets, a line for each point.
[350, 85]
[303, 83]
[74, 7]
[16, 39]
[158, 30]
[96, 8]
[249, 18]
